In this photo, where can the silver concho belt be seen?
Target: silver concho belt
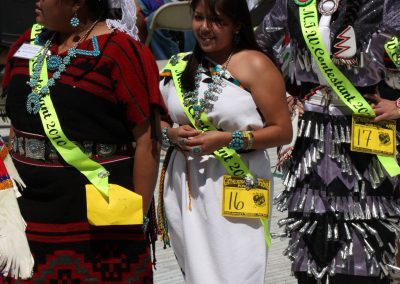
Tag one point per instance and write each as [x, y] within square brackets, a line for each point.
[40, 148]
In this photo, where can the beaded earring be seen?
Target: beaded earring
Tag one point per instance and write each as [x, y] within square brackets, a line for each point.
[74, 21]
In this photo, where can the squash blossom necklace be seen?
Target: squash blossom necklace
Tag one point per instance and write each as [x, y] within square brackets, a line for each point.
[57, 64]
[214, 88]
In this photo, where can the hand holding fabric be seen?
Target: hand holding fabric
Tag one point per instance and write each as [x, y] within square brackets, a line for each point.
[208, 142]
[179, 135]
[384, 109]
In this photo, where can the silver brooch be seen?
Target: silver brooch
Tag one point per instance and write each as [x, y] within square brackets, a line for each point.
[250, 182]
[328, 7]
[175, 59]
[103, 174]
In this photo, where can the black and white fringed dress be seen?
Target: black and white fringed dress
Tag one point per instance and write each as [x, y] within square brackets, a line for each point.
[343, 207]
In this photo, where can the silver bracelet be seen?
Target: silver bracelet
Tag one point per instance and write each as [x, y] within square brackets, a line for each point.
[166, 142]
[145, 223]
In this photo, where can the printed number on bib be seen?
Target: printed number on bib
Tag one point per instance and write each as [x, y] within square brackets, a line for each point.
[373, 137]
[238, 201]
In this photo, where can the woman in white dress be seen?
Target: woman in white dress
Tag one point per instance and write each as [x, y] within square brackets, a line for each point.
[227, 82]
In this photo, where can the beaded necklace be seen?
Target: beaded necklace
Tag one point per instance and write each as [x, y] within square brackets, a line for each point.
[55, 62]
[214, 88]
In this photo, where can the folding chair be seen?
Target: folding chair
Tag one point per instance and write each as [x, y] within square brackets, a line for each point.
[174, 16]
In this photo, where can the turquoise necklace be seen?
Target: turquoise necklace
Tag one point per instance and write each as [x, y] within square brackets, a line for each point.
[214, 89]
[55, 62]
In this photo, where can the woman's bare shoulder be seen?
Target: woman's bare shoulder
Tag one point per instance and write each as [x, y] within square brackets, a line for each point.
[252, 65]
[255, 60]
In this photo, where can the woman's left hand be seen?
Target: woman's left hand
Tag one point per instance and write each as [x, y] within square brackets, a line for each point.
[384, 109]
[208, 142]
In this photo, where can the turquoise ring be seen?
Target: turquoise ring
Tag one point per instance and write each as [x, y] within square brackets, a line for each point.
[196, 150]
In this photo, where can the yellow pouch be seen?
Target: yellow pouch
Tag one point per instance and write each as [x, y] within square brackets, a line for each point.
[123, 208]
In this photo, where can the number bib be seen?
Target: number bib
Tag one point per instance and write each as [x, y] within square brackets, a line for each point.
[238, 201]
[373, 137]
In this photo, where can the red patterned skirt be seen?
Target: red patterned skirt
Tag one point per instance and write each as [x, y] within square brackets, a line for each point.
[65, 247]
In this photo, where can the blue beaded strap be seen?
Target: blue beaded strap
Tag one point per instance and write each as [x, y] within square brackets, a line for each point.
[95, 52]
[54, 61]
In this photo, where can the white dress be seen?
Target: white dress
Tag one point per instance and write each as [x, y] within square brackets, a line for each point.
[209, 247]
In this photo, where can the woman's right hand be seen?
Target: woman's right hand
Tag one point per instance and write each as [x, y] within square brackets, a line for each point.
[179, 135]
[384, 109]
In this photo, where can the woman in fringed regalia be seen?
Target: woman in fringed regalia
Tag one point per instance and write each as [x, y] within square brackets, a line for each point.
[343, 205]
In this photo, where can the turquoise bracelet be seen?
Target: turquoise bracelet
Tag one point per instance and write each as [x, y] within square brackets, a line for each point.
[237, 141]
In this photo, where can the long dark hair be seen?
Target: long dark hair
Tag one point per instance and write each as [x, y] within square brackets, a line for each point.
[238, 13]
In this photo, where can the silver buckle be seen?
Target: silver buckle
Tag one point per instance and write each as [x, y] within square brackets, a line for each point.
[34, 148]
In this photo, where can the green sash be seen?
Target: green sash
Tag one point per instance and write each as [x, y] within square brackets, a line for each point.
[335, 78]
[228, 157]
[391, 48]
[70, 152]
